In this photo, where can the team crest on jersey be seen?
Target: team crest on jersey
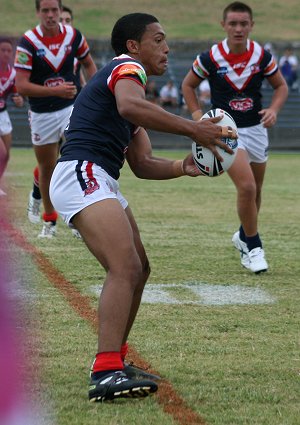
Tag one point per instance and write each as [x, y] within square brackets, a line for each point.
[40, 53]
[255, 68]
[222, 71]
[68, 49]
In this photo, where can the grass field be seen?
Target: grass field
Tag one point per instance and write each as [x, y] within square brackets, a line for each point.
[197, 20]
[225, 341]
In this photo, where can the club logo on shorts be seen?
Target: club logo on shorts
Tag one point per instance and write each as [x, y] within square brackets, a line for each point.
[92, 185]
[36, 137]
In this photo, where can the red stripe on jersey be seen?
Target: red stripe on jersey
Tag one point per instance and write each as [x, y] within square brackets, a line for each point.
[127, 70]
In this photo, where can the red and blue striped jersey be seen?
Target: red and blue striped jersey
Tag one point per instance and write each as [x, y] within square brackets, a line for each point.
[236, 79]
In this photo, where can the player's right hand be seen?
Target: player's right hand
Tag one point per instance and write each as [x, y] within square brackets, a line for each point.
[210, 135]
[66, 90]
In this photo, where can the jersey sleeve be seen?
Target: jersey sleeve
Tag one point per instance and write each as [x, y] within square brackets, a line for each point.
[23, 57]
[83, 48]
[199, 65]
[127, 70]
[271, 66]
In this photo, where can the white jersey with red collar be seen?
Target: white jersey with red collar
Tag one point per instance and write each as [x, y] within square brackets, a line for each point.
[7, 85]
[50, 61]
[236, 79]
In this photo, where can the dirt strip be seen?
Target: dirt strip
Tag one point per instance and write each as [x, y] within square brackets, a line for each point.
[170, 401]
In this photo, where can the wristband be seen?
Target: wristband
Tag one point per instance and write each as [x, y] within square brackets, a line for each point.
[178, 168]
[196, 115]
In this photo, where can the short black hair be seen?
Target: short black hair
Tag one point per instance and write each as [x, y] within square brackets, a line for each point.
[237, 6]
[6, 40]
[68, 10]
[129, 27]
[38, 4]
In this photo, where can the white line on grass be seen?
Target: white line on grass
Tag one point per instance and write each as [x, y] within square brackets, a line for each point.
[201, 293]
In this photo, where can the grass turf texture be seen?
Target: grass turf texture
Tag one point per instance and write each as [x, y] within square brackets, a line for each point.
[232, 364]
[195, 20]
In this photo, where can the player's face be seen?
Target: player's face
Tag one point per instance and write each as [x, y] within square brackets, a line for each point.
[6, 53]
[65, 18]
[49, 14]
[153, 50]
[237, 25]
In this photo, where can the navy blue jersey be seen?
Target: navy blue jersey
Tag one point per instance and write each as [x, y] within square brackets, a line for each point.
[235, 79]
[50, 61]
[97, 132]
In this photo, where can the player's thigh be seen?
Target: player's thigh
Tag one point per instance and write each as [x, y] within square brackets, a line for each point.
[108, 234]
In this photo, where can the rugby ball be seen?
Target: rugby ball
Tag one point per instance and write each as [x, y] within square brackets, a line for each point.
[204, 159]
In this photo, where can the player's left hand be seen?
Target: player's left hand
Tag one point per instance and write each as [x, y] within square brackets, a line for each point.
[18, 100]
[190, 168]
[268, 117]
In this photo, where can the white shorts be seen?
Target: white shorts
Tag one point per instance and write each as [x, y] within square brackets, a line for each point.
[77, 184]
[5, 123]
[254, 140]
[48, 127]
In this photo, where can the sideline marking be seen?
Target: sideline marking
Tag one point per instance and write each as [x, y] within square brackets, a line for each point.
[171, 402]
[201, 294]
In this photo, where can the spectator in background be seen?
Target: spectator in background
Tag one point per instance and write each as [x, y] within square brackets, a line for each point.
[169, 94]
[204, 95]
[152, 94]
[7, 87]
[288, 65]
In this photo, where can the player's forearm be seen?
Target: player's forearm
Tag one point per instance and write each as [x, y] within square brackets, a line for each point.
[33, 90]
[158, 169]
[191, 101]
[279, 98]
[151, 116]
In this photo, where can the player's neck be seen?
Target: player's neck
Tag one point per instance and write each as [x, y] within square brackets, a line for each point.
[4, 66]
[50, 32]
[237, 49]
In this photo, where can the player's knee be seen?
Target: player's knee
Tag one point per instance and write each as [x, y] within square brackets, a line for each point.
[248, 190]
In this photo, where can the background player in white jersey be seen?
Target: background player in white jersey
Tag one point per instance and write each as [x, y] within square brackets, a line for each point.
[7, 87]
[235, 69]
[45, 73]
[107, 126]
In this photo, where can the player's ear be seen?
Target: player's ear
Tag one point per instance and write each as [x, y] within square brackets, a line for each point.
[132, 46]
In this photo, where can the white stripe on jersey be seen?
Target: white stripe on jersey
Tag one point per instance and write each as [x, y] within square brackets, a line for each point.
[9, 81]
[237, 81]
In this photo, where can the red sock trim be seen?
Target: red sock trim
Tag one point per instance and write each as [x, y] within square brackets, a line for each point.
[36, 176]
[124, 350]
[50, 217]
[109, 360]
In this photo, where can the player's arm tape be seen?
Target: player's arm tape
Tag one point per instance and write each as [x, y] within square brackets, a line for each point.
[229, 132]
[178, 168]
[196, 115]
